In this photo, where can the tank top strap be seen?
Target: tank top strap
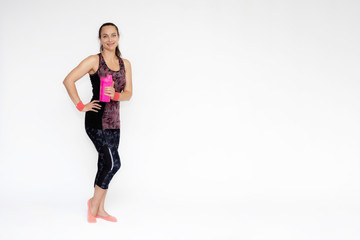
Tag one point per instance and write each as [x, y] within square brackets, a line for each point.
[121, 63]
[101, 59]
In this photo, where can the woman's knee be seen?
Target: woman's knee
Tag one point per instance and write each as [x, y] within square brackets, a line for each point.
[111, 160]
[117, 165]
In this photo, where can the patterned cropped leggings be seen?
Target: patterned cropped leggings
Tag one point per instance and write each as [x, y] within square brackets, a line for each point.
[106, 143]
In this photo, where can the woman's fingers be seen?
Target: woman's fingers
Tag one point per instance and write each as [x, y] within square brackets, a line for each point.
[96, 104]
[92, 106]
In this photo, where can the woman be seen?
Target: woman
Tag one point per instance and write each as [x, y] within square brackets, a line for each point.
[102, 120]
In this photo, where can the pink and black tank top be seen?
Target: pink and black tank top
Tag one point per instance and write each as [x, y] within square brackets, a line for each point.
[108, 117]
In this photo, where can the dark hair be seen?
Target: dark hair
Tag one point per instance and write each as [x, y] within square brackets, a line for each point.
[117, 51]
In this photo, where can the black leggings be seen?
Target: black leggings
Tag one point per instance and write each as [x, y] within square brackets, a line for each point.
[106, 143]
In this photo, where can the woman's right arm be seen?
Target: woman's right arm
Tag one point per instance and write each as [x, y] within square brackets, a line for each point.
[83, 68]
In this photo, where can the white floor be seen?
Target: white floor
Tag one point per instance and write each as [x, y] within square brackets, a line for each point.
[257, 217]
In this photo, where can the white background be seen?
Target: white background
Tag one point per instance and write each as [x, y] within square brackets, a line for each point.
[244, 120]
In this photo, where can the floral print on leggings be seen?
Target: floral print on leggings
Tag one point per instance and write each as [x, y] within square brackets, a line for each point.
[106, 142]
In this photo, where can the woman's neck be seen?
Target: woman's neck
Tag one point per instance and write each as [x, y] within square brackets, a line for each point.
[108, 54]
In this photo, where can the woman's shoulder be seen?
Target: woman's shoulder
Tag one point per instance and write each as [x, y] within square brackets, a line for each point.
[94, 57]
[126, 61]
[93, 61]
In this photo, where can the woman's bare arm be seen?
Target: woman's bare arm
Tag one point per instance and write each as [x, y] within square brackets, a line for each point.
[78, 72]
[127, 93]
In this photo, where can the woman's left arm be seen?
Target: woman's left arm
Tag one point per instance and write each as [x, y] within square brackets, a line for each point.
[127, 93]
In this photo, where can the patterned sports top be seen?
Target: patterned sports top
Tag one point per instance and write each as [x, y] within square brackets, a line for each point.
[108, 117]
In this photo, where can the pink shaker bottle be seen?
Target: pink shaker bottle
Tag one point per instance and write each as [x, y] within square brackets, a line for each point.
[105, 82]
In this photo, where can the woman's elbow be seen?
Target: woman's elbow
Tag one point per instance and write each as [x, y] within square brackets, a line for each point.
[129, 96]
[66, 81]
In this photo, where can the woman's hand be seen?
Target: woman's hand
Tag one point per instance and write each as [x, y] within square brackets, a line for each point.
[110, 91]
[92, 106]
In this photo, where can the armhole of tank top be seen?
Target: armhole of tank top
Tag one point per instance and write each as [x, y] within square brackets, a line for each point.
[97, 68]
[122, 64]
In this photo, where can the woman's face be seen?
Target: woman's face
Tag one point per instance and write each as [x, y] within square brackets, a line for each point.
[109, 38]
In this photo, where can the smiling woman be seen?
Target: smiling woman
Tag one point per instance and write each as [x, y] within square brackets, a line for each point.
[109, 35]
[102, 119]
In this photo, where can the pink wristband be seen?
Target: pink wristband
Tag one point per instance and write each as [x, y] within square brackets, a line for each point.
[80, 106]
[116, 96]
